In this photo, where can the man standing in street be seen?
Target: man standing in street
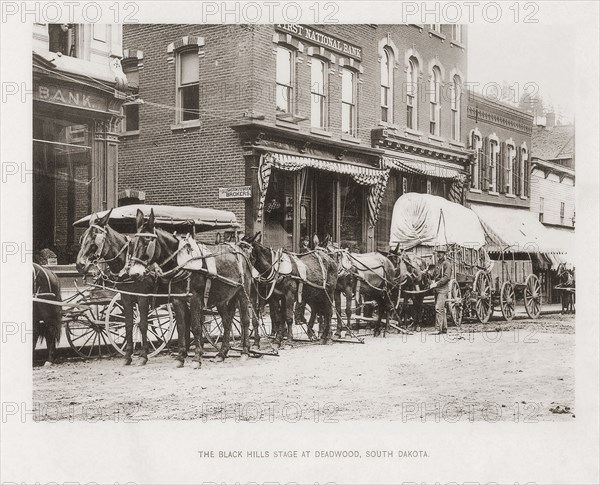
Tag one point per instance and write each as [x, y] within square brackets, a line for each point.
[440, 285]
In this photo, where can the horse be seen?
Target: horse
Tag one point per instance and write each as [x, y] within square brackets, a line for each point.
[412, 274]
[371, 276]
[101, 244]
[214, 276]
[566, 279]
[310, 276]
[259, 293]
[47, 318]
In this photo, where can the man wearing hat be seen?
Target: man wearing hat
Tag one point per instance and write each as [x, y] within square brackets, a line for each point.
[441, 279]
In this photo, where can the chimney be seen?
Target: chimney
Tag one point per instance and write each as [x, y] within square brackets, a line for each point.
[550, 120]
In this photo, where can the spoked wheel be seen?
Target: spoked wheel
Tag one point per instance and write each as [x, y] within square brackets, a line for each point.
[454, 302]
[85, 329]
[532, 294]
[482, 295]
[507, 301]
[161, 325]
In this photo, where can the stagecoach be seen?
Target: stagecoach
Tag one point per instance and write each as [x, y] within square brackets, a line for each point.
[94, 318]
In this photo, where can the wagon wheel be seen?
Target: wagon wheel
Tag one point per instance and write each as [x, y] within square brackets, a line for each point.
[212, 331]
[454, 302]
[482, 294]
[507, 301]
[85, 329]
[161, 325]
[532, 294]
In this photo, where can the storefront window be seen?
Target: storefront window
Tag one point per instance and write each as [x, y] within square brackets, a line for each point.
[61, 184]
[352, 203]
[279, 210]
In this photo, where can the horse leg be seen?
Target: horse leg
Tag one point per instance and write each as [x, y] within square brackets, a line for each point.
[143, 305]
[337, 296]
[243, 303]
[128, 304]
[290, 297]
[197, 324]
[51, 344]
[255, 323]
[226, 310]
[327, 333]
[184, 317]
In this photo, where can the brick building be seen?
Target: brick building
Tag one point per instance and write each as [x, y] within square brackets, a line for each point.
[78, 89]
[325, 125]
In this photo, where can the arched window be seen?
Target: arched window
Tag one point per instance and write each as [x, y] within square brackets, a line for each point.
[455, 100]
[387, 86]
[510, 169]
[284, 80]
[318, 90]
[435, 97]
[476, 144]
[412, 93]
[494, 161]
[349, 120]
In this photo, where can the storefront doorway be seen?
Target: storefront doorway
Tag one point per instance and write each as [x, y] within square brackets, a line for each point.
[308, 203]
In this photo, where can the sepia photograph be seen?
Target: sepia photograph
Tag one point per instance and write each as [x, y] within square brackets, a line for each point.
[340, 228]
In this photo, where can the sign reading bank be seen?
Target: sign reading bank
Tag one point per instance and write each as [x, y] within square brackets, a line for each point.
[313, 36]
[67, 95]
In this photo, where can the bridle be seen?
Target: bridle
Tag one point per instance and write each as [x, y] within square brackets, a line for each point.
[150, 250]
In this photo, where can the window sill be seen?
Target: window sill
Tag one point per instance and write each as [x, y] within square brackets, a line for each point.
[436, 138]
[321, 132]
[410, 131]
[350, 138]
[391, 126]
[495, 194]
[512, 196]
[287, 124]
[129, 133]
[186, 125]
[457, 144]
[455, 43]
[524, 197]
[289, 117]
[439, 35]
[418, 26]
[475, 191]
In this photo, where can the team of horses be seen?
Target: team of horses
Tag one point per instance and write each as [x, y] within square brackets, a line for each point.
[237, 276]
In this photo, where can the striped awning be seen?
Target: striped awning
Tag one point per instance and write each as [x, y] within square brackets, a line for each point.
[423, 167]
[375, 179]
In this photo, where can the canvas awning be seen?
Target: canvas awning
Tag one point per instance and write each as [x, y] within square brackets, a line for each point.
[518, 230]
[203, 219]
[374, 178]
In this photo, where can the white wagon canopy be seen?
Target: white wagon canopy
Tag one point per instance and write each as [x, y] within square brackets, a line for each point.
[429, 220]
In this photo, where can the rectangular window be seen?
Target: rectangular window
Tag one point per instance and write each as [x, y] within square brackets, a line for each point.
[62, 38]
[349, 102]
[318, 89]
[429, 186]
[131, 108]
[562, 212]
[410, 112]
[541, 209]
[284, 79]
[433, 118]
[493, 161]
[510, 189]
[188, 86]
[457, 33]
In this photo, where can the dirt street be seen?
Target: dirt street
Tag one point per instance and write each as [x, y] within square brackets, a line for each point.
[496, 372]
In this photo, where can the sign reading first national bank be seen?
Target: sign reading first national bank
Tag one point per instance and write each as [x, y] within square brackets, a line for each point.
[313, 36]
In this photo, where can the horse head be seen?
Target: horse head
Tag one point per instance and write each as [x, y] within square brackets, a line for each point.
[150, 245]
[98, 243]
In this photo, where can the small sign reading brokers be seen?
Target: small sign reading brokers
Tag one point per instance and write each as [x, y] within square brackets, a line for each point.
[315, 37]
[243, 192]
